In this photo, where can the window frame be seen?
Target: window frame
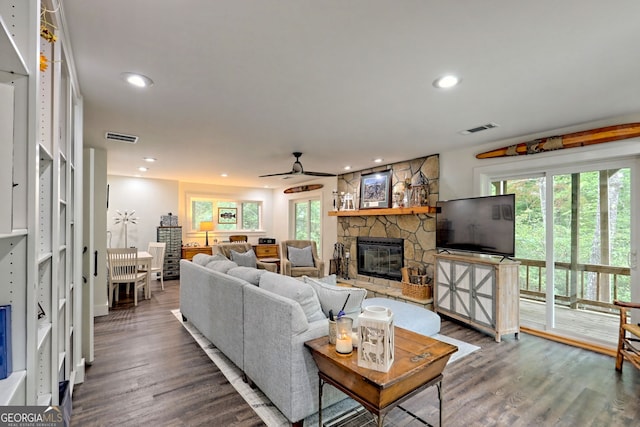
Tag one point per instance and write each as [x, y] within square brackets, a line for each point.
[215, 200]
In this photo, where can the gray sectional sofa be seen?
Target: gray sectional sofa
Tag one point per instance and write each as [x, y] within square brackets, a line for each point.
[260, 320]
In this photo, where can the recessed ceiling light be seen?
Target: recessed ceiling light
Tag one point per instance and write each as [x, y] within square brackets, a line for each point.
[149, 159]
[224, 175]
[347, 168]
[137, 80]
[143, 169]
[446, 81]
[378, 160]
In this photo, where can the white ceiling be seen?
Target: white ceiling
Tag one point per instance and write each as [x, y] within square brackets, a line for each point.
[241, 84]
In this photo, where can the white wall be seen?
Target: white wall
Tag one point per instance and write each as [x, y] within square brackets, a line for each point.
[460, 170]
[149, 198]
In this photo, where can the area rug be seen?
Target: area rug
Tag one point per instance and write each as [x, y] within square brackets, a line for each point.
[345, 413]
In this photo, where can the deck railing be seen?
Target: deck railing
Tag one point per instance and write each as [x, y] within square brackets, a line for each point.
[597, 286]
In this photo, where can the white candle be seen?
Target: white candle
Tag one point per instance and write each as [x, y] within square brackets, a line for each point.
[344, 344]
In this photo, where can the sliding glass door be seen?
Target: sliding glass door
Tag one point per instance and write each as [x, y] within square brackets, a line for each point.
[574, 242]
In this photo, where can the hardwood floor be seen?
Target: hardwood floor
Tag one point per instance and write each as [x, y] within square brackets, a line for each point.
[148, 370]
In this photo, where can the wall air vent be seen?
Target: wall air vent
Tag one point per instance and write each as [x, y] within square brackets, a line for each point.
[120, 137]
[479, 128]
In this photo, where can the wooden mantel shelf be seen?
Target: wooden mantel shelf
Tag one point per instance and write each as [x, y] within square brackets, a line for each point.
[387, 211]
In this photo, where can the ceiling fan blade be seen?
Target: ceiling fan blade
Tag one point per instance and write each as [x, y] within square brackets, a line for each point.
[318, 173]
[275, 174]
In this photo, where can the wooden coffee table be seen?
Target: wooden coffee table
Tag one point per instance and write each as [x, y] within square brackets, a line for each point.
[419, 362]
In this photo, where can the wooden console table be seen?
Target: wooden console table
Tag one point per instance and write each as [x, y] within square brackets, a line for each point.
[419, 362]
[188, 252]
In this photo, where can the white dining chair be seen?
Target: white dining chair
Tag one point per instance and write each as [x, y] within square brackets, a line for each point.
[156, 249]
[123, 268]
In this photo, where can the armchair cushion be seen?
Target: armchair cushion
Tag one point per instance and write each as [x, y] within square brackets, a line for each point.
[300, 257]
[333, 297]
[244, 259]
[296, 290]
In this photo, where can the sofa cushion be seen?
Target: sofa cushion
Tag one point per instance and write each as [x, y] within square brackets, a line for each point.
[296, 290]
[244, 259]
[204, 259]
[221, 266]
[333, 297]
[300, 257]
[251, 275]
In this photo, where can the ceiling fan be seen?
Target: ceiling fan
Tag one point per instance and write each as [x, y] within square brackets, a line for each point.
[297, 169]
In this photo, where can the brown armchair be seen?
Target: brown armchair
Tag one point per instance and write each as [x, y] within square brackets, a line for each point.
[313, 268]
[629, 337]
[226, 248]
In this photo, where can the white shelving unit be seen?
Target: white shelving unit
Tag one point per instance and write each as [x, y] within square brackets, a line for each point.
[40, 251]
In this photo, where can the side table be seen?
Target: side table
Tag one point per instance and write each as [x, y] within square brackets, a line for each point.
[419, 362]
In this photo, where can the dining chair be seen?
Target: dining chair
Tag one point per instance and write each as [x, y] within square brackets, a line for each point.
[123, 269]
[156, 249]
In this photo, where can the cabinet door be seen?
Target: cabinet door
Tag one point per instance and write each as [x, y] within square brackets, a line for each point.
[482, 295]
[462, 285]
[443, 292]
[453, 287]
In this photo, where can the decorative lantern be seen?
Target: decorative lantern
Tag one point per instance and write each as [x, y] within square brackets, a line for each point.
[375, 337]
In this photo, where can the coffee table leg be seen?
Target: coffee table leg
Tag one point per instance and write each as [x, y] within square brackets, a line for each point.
[320, 384]
[439, 385]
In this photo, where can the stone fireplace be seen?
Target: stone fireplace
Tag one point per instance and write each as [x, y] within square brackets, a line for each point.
[380, 257]
[416, 232]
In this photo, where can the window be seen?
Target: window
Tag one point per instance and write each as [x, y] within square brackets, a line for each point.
[308, 221]
[202, 208]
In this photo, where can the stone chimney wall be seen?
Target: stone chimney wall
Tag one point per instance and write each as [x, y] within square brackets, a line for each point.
[417, 230]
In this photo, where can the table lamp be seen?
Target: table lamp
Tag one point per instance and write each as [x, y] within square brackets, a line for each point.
[206, 226]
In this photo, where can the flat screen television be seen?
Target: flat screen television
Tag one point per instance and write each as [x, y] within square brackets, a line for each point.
[484, 225]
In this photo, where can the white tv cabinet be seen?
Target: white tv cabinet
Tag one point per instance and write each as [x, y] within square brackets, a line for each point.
[480, 291]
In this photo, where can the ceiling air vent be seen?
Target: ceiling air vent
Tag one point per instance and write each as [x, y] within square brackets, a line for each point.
[114, 136]
[479, 128]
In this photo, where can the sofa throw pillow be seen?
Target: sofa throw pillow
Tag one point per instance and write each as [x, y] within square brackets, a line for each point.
[333, 297]
[329, 280]
[251, 275]
[296, 290]
[300, 257]
[204, 259]
[221, 266]
[244, 259]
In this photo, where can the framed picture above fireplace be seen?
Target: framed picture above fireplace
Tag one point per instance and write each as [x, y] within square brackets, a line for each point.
[375, 190]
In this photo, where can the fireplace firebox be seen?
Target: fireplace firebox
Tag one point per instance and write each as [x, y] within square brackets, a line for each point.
[381, 257]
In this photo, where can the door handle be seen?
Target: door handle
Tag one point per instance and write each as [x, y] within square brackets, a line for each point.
[95, 264]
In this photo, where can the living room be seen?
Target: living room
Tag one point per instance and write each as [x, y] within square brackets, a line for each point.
[344, 84]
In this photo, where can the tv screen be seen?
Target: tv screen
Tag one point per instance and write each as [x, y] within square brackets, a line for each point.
[481, 224]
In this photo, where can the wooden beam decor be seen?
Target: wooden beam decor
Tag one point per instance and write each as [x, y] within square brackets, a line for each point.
[301, 188]
[569, 140]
